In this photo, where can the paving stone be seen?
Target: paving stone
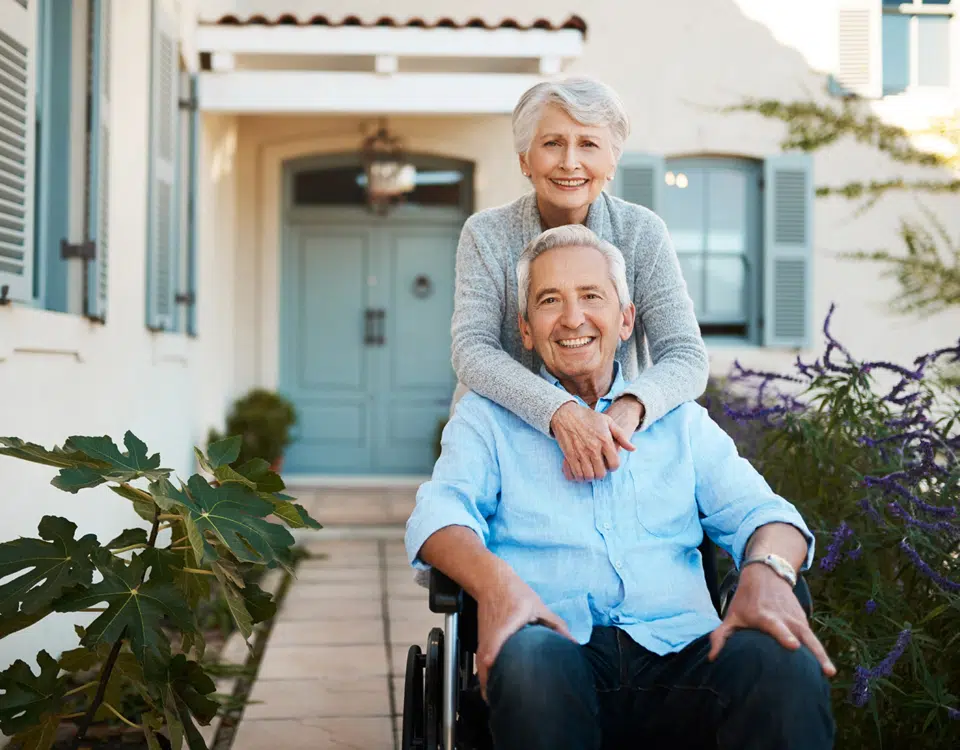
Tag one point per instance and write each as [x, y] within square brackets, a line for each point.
[341, 733]
[315, 610]
[329, 633]
[329, 697]
[304, 662]
[337, 591]
[338, 574]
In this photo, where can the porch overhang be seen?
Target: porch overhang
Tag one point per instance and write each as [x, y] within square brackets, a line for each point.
[305, 92]
[292, 67]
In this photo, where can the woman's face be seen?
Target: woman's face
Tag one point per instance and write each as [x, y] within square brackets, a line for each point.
[568, 163]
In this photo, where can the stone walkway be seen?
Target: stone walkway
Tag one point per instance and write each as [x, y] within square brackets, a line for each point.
[332, 674]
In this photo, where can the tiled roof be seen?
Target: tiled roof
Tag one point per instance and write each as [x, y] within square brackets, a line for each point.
[289, 19]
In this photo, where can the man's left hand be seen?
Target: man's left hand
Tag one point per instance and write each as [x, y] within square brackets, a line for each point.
[627, 412]
[764, 601]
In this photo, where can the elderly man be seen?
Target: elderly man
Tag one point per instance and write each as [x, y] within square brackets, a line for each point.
[596, 628]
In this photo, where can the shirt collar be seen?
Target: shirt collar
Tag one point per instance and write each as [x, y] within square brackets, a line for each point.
[616, 387]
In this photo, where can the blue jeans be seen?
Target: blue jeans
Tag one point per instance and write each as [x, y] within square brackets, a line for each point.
[545, 691]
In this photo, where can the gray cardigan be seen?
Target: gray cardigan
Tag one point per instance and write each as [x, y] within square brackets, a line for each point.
[488, 355]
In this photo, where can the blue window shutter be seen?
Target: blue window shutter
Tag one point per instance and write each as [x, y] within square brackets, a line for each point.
[639, 179]
[193, 173]
[859, 69]
[99, 162]
[18, 34]
[788, 250]
[162, 265]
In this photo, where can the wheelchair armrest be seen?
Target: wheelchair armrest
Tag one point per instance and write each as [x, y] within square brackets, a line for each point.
[446, 596]
[728, 588]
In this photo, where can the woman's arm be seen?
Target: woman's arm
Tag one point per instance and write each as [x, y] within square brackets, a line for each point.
[680, 366]
[479, 359]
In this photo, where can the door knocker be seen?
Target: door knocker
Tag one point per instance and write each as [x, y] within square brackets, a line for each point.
[422, 286]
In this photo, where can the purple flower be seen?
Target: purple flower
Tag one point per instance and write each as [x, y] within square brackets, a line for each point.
[870, 606]
[856, 553]
[942, 581]
[953, 713]
[832, 558]
[860, 692]
[871, 512]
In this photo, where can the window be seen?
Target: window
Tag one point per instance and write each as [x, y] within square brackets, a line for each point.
[345, 186]
[742, 231]
[712, 209]
[54, 118]
[915, 41]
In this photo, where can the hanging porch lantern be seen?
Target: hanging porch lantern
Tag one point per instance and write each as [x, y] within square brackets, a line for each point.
[388, 176]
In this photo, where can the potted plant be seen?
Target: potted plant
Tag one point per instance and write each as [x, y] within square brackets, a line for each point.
[262, 419]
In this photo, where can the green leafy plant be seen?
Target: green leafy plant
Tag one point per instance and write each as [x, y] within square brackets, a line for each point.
[263, 420]
[146, 639]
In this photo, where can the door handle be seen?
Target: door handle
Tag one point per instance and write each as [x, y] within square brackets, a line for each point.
[382, 327]
[370, 327]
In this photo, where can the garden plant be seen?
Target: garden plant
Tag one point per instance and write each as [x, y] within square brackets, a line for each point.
[145, 640]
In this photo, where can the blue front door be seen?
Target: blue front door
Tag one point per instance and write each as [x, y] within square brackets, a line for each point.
[365, 342]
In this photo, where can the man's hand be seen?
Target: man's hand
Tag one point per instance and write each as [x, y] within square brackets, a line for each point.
[764, 601]
[506, 605]
[589, 440]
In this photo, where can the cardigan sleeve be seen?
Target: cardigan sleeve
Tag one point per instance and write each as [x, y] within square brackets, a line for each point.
[680, 367]
[479, 359]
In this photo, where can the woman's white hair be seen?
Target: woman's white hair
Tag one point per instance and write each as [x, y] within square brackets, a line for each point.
[571, 235]
[586, 100]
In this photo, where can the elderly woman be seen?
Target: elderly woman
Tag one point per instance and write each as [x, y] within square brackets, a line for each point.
[569, 136]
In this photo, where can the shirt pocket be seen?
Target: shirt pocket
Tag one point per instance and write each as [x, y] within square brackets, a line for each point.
[665, 499]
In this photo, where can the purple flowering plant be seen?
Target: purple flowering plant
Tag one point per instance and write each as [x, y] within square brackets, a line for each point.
[868, 452]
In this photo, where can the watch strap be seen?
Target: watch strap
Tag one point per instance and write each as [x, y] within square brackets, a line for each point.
[779, 565]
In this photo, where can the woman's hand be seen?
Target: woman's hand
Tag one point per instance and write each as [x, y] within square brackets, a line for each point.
[589, 440]
[628, 412]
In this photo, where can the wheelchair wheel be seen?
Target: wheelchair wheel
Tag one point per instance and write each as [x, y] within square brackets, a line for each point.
[412, 731]
[433, 690]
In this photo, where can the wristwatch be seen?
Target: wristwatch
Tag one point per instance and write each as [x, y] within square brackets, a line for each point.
[780, 566]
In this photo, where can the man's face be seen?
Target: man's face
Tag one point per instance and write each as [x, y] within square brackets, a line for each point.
[574, 320]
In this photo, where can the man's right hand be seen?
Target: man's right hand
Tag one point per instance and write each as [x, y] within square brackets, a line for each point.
[506, 605]
[590, 441]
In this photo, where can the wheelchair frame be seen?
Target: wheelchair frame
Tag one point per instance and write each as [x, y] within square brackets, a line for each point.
[434, 679]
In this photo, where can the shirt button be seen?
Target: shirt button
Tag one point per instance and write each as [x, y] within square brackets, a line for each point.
[606, 527]
[618, 565]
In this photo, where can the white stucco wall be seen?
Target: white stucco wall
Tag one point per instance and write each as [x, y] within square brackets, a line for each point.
[671, 63]
[61, 375]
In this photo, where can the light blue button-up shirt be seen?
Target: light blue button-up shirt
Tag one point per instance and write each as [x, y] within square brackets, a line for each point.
[621, 550]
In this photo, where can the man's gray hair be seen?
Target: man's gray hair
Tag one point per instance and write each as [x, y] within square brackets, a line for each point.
[571, 235]
[586, 100]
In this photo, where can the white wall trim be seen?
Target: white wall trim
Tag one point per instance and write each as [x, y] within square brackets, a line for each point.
[412, 41]
[303, 92]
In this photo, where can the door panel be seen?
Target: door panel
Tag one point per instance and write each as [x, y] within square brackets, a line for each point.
[416, 375]
[324, 363]
[367, 408]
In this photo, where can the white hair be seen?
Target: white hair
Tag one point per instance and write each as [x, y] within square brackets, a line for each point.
[586, 100]
[571, 235]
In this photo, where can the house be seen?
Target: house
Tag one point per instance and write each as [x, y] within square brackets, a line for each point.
[183, 202]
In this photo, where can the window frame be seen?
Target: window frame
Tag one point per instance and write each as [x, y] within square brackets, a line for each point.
[915, 10]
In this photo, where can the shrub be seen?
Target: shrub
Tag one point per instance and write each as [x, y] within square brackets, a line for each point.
[873, 468]
[262, 419]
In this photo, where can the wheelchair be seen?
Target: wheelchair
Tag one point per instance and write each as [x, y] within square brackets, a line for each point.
[442, 705]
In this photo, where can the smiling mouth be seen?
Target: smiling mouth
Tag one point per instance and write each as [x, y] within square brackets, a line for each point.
[577, 183]
[576, 343]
